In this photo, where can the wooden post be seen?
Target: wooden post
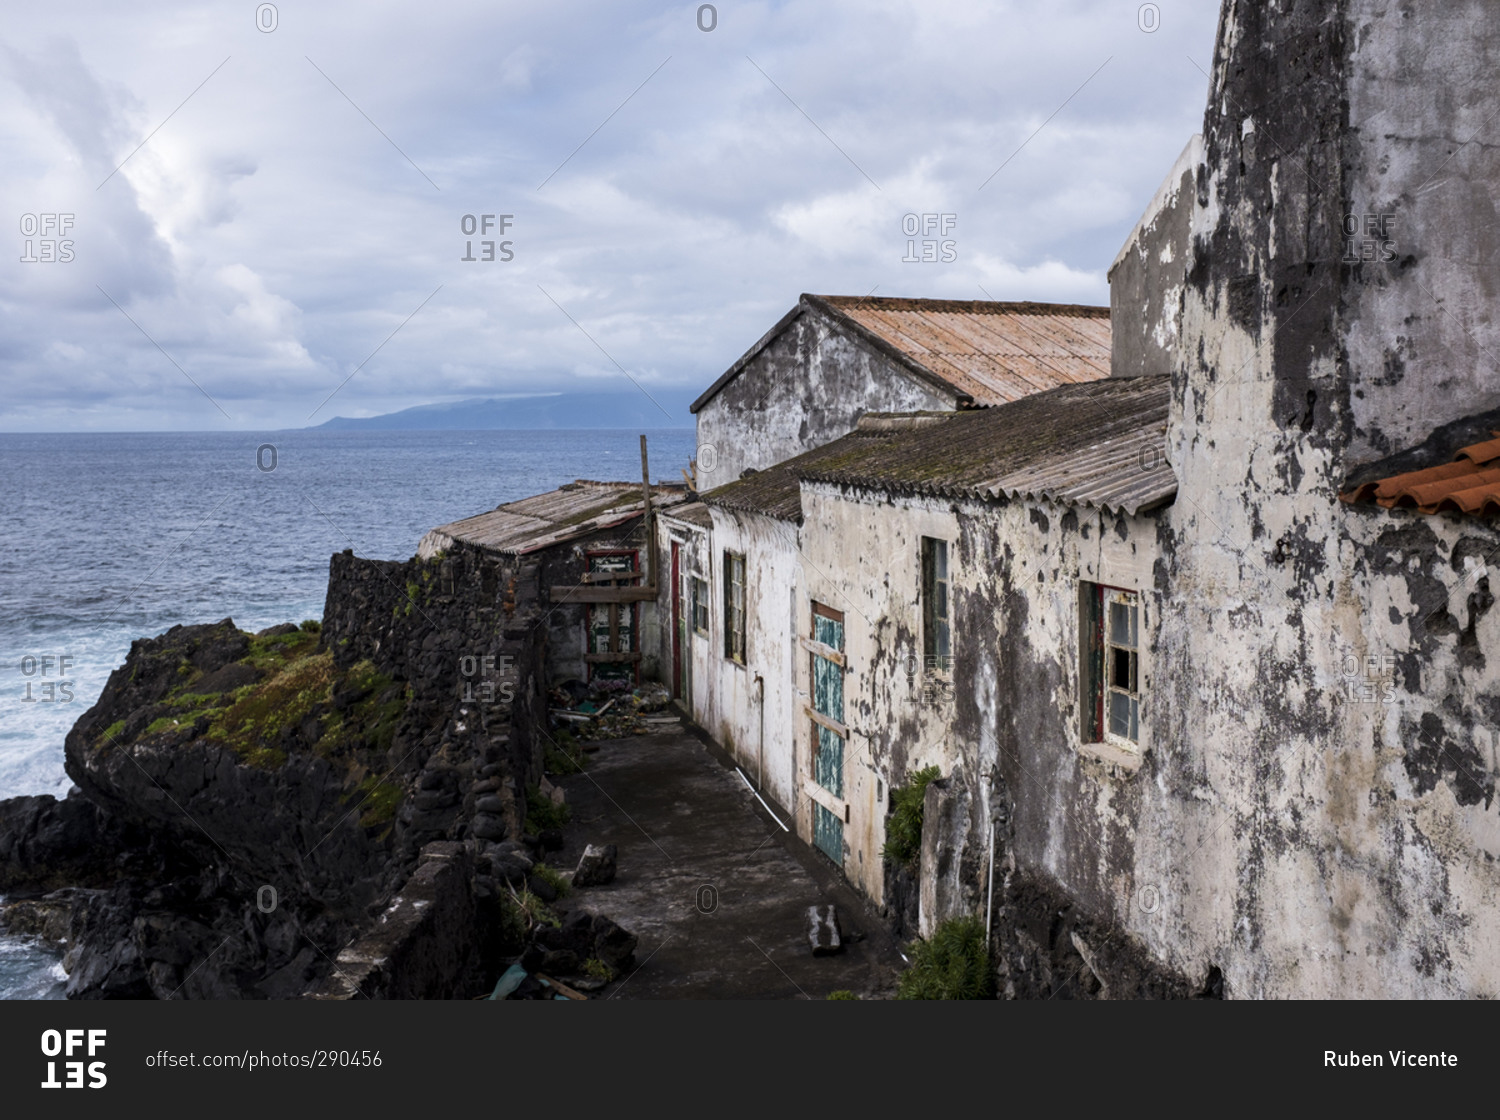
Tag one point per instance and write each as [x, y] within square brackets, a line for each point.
[650, 578]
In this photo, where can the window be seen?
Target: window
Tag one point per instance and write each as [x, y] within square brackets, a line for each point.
[734, 606]
[1110, 648]
[700, 605]
[937, 650]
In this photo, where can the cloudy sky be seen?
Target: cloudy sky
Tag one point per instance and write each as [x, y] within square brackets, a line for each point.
[252, 213]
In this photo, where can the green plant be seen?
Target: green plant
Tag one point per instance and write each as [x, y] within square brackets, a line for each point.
[842, 993]
[541, 812]
[563, 755]
[954, 963]
[598, 970]
[113, 732]
[552, 877]
[533, 911]
[903, 829]
[311, 626]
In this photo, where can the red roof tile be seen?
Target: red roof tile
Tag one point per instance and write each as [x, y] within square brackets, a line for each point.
[1469, 484]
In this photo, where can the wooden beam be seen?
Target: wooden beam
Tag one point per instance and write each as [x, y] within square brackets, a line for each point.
[829, 722]
[627, 657]
[827, 652]
[585, 594]
[838, 808]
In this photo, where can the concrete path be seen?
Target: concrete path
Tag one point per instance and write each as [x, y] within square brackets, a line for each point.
[714, 889]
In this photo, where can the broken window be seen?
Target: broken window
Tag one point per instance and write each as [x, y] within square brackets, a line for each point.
[937, 650]
[734, 606]
[1110, 649]
[700, 605]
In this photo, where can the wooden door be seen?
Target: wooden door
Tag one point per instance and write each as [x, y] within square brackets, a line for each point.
[828, 744]
[613, 642]
[678, 639]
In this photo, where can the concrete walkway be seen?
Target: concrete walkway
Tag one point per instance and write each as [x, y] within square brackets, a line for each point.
[714, 889]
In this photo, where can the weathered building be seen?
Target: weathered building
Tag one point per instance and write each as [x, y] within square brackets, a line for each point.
[1330, 707]
[831, 359]
[1201, 725]
[1302, 802]
[585, 551]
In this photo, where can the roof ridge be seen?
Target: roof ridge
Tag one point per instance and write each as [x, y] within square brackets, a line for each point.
[983, 306]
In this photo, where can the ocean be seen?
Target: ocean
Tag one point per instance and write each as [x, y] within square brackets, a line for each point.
[115, 536]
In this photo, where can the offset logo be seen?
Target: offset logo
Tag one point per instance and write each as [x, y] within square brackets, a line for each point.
[67, 1044]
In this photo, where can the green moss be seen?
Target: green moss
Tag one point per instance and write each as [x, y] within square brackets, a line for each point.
[190, 700]
[598, 969]
[551, 877]
[903, 829]
[266, 758]
[260, 713]
[381, 798]
[842, 993]
[952, 964]
[276, 651]
[542, 813]
[113, 732]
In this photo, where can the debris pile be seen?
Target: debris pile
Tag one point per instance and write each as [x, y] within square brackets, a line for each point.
[610, 709]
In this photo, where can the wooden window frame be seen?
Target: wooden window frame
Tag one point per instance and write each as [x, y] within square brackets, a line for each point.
[737, 652]
[937, 607]
[1104, 661]
[698, 600]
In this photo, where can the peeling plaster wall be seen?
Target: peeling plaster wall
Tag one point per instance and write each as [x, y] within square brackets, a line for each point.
[863, 557]
[1422, 167]
[1329, 715]
[1146, 279]
[726, 699]
[1003, 725]
[806, 388]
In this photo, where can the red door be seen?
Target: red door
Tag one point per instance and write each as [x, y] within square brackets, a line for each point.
[676, 623]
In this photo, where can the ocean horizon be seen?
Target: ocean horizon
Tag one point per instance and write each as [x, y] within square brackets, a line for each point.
[121, 535]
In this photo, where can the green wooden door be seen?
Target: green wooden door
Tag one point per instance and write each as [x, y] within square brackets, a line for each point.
[828, 752]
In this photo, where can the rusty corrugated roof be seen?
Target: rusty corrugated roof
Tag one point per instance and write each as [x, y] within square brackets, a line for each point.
[1100, 444]
[567, 513]
[984, 352]
[991, 352]
[1469, 484]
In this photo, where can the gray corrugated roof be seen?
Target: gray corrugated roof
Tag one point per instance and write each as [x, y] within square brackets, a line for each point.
[567, 513]
[1100, 444]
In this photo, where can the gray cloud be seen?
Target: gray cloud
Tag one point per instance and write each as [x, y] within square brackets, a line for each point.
[269, 237]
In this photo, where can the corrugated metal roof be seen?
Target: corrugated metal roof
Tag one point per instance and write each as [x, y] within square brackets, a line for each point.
[567, 513]
[1100, 444]
[694, 513]
[991, 352]
[984, 352]
[1469, 484]
[777, 491]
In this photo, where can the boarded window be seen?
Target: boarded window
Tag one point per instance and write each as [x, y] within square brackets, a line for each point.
[937, 652]
[734, 606]
[1110, 657]
[700, 606]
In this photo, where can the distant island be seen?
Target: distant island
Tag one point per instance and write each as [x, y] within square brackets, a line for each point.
[633, 409]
